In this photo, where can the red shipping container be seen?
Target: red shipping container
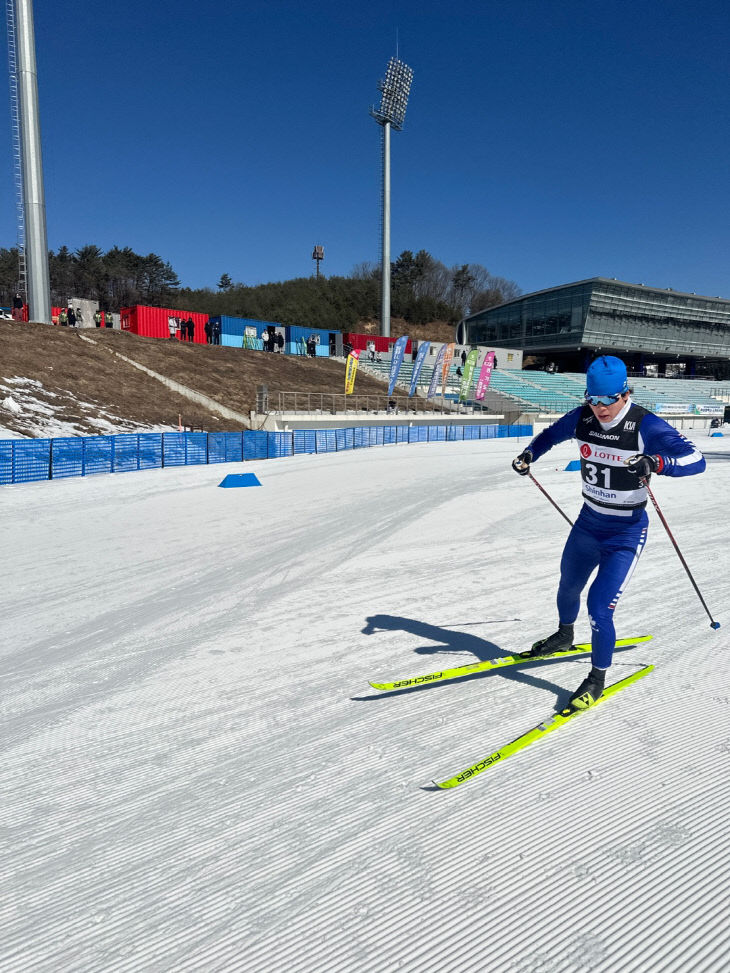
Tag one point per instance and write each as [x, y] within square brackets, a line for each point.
[382, 344]
[152, 322]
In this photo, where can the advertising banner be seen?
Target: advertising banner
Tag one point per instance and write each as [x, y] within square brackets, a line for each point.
[351, 371]
[399, 350]
[418, 365]
[436, 372]
[469, 365]
[675, 408]
[448, 358]
[709, 410]
[485, 374]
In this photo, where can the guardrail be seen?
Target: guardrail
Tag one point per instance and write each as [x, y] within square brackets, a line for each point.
[28, 460]
[336, 403]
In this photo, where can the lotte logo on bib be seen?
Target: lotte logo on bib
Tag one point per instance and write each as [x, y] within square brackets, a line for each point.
[585, 451]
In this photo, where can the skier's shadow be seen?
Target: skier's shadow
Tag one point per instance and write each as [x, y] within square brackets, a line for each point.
[448, 640]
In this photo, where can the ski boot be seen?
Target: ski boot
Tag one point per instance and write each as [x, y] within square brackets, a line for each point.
[589, 691]
[562, 639]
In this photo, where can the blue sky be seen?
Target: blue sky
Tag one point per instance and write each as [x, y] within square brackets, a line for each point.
[548, 141]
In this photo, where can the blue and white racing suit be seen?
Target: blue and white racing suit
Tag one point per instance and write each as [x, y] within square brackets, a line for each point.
[610, 531]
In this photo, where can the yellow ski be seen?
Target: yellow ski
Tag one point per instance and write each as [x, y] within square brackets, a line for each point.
[536, 733]
[508, 660]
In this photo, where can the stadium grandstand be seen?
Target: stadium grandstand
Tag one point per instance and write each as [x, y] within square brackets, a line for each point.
[529, 393]
[656, 332]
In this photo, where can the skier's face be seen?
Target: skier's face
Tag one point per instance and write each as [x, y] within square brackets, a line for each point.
[605, 413]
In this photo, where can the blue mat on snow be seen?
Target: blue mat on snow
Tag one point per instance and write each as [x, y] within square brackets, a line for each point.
[574, 464]
[239, 480]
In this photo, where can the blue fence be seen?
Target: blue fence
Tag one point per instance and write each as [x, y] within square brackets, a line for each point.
[25, 460]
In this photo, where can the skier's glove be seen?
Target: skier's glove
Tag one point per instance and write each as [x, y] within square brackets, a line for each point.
[521, 463]
[643, 465]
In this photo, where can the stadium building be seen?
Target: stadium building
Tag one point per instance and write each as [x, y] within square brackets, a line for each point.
[657, 332]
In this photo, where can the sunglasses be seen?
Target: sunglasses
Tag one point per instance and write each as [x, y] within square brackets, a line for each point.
[602, 399]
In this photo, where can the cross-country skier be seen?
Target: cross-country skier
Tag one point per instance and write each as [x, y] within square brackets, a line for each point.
[620, 444]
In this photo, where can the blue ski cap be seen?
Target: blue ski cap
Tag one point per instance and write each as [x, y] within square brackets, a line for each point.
[606, 376]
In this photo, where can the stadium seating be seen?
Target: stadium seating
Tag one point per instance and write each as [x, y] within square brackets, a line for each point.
[558, 392]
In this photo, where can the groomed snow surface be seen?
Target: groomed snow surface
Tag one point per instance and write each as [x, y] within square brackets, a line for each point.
[197, 776]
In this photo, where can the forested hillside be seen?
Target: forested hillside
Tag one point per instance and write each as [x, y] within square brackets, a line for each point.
[423, 289]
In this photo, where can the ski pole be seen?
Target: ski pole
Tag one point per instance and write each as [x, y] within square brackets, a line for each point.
[713, 623]
[543, 490]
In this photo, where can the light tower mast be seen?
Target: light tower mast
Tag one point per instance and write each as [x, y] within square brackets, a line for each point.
[32, 236]
[395, 89]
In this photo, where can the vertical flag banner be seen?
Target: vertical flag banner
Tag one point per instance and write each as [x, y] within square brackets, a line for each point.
[420, 358]
[436, 372]
[484, 375]
[469, 366]
[448, 358]
[351, 371]
[399, 350]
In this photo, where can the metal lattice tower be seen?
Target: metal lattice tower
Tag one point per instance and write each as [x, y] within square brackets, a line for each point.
[22, 285]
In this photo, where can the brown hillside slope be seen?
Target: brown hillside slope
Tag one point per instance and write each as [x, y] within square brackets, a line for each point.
[433, 331]
[81, 379]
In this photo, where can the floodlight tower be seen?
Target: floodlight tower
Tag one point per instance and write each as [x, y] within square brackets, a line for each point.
[392, 112]
[26, 122]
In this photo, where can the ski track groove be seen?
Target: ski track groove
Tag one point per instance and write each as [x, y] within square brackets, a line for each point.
[211, 806]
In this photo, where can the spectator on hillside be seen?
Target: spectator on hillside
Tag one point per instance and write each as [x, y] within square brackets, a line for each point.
[71, 318]
[208, 328]
[280, 342]
[216, 332]
[17, 308]
[463, 357]
[97, 318]
[371, 350]
[108, 319]
[190, 328]
[63, 317]
[172, 327]
[347, 348]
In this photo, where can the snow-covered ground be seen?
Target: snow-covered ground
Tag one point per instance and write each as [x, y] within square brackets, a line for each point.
[40, 413]
[197, 777]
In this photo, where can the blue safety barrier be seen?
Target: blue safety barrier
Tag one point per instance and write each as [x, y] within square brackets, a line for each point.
[26, 460]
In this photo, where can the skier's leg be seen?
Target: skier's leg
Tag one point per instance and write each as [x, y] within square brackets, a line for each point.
[619, 558]
[581, 554]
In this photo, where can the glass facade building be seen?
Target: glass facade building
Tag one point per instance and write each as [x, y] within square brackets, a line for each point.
[571, 324]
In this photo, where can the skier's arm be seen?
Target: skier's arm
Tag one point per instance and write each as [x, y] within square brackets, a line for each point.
[665, 451]
[558, 432]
